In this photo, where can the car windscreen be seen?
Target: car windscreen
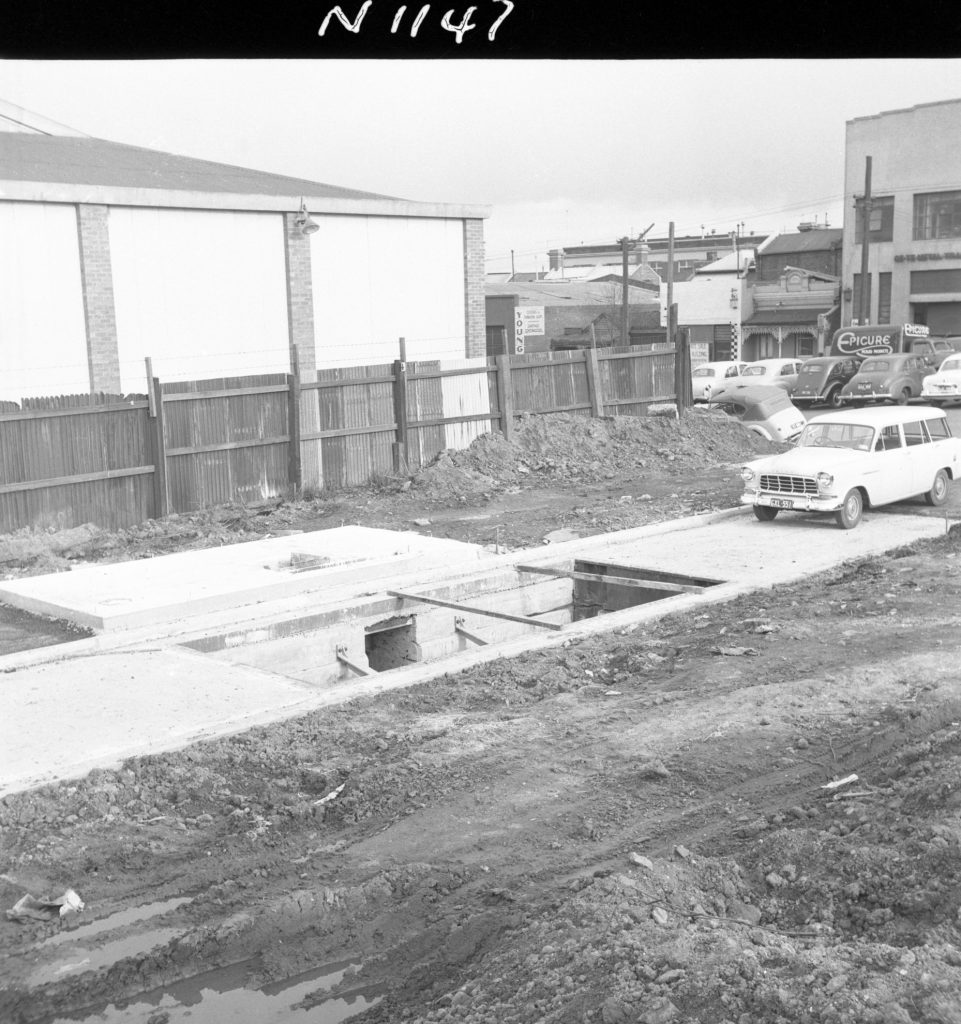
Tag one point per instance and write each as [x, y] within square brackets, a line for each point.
[754, 371]
[812, 370]
[875, 366]
[704, 371]
[953, 363]
[857, 436]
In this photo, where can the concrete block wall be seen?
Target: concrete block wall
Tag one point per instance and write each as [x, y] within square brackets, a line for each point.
[475, 329]
[96, 281]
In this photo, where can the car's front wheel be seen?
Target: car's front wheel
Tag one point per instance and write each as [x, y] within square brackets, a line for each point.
[938, 494]
[764, 513]
[849, 514]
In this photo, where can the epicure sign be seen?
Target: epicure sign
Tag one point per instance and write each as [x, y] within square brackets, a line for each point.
[849, 342]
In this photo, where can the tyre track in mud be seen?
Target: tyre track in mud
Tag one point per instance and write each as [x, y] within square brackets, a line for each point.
[325, 888]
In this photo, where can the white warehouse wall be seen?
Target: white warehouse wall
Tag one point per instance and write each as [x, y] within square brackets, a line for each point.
[202, 292]
[43, 347]
[376, 279]
[707, 300]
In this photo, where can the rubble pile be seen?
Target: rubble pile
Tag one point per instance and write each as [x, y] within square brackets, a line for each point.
[565, 448]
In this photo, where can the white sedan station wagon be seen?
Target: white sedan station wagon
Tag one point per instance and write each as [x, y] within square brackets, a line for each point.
[846, 461]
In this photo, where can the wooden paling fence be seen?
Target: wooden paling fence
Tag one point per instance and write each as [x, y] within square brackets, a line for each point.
[116, 462]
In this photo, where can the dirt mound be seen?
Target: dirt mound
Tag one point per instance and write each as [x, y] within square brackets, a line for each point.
[564, 447]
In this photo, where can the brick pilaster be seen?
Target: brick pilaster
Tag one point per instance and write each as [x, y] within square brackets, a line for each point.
[474, 305]
[300, 297]
[96, 282]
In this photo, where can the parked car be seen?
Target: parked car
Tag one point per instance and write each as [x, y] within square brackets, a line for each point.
[945, 385]
[780, 373]
[933, 350]
[855, 458]
[820, 380]
[891, 378]
[763, 409]
[704, 378]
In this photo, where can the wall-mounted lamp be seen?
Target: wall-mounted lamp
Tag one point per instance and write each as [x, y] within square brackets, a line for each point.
[305, 222]
[848, 294]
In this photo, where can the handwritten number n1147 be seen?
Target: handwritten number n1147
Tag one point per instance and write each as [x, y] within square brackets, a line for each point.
[460, 29]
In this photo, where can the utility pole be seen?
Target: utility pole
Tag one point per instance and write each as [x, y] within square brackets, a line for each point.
[670, 281]
[512, 264]
[864, 310]
[625, 340]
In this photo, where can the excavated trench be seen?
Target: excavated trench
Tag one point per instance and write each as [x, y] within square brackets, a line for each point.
[396, 629]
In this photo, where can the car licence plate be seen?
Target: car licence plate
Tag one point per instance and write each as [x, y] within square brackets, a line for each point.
[781, 503]
[864, 387]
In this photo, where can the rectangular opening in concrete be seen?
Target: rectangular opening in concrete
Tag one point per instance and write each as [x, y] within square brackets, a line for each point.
[393, 628]
[603, 587]
[392, 643]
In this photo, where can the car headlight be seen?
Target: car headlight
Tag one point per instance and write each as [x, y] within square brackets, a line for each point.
[825, 481]
[747, 474]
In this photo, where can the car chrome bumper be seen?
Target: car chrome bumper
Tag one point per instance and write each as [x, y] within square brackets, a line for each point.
[793, 502]
[869, 396]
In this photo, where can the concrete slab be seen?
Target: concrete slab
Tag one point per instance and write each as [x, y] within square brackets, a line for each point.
[130, 594]
[92, 707]
[739, 549]
[58, 721]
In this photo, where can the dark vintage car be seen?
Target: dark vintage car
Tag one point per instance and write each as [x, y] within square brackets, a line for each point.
[820, 380]
[888, 378]
[764, 409]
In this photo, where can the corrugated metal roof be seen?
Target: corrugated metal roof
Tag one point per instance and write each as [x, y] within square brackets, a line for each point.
[786, 316]
[732, 263]
[815, 240]
[98, 162]
[570, 293]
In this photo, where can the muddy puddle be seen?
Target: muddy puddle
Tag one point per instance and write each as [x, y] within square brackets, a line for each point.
[220, 997]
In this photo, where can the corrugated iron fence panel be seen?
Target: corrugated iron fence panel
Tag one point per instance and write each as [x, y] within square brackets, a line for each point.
[468, 394]
[226, 440]
[367, 408]
[425, 401]
[46, 451]
[550, 382]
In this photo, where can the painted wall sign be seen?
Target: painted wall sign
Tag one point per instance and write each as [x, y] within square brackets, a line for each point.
[532, 317]
[918, 257]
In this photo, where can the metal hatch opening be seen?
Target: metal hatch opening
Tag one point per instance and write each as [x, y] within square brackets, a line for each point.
[600, 587]
[392, 643]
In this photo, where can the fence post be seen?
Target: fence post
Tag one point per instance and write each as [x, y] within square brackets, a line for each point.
[294, 468]
[594, 382]
[505, 396]
[161, 497]
[401, 455]
[672, 339]
[684, 343]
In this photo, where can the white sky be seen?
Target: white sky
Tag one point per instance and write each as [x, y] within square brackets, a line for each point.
[565, 152]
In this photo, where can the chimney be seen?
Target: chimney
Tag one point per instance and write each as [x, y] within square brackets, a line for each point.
[557, 259]
[643, 251]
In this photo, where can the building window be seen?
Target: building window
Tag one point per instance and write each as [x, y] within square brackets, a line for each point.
[884, 298]
[933, 282]
[937, 215]
[882, 220]
[856, 300]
